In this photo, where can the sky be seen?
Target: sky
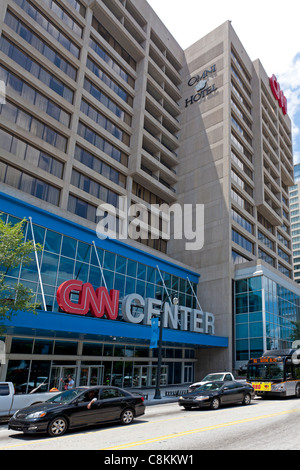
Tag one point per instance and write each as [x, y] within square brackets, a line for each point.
[268, 29]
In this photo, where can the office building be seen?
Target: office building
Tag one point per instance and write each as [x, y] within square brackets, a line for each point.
[236, 159]
[295, 222]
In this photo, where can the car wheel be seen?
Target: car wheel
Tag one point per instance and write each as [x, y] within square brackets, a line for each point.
[58, 427]
[247, 399]
[127, 416]
[215, 404]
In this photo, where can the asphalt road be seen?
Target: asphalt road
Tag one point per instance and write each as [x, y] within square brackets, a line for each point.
[263, 425]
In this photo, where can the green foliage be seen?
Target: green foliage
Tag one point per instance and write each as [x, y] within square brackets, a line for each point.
[14, 251]
[295, 336]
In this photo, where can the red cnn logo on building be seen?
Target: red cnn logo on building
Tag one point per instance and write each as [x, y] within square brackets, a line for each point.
[99, 303]
[278, 94]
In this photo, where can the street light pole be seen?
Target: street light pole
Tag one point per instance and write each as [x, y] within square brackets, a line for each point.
[157, 395]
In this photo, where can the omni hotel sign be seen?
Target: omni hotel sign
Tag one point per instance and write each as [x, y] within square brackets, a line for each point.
[101, 302]
[201, 86]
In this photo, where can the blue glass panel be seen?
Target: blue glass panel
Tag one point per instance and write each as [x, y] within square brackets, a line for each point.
[81, 271]
[140, 288]
[30, 271]
[120, 284]
[150, 291]
[121, 265]
[94, 259]
[256, 347]
[241, 303]
[141, 271]
[175, 283]
[255, 301]
[53, 241]
[130, 286]
[131, 268]
[66, 270]
[109, 260]
[83, 252]
[242, 352]
[49, 268]
[39, 234]
[241, 286]
[256, 330]
[255, 283]
[242, 331]
[95, 276]
[255, 317]
[69, 247]
[109, 278]
[151, 274]
[242, 318]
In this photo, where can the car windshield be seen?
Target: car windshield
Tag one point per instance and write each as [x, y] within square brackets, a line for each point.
[211, 377]
[66, 397]
[210, 386]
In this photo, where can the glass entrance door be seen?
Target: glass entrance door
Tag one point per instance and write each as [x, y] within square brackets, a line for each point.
[188, 374]
[59, 376]
[91, 375]
[145, 376]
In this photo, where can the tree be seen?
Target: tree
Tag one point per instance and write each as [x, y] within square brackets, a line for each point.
[14, 251]
[295, 336]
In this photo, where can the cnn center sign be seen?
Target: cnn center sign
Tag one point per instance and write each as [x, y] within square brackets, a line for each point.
[135, 309]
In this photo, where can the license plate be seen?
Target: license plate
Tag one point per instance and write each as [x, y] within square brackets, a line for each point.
[262, 386]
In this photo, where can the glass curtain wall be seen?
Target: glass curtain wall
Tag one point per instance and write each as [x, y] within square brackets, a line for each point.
[264, 311]
[64, 258]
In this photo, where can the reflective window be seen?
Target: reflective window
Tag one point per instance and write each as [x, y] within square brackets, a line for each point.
[104, 122]
[28, 184]
[34, 40]
[26, 62]
[111, 62]
[102, 144]
[65, 348]
[112, 84]
[49, 26]
[26, 121]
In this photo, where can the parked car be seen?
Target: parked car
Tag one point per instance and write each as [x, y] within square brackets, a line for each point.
[215, 394]
[222, 376]
[10, 402]
[81, 406]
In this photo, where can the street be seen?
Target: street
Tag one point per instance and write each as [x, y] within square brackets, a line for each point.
[263, 425]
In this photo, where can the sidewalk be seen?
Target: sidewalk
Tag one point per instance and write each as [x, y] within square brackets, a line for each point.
[168, 394]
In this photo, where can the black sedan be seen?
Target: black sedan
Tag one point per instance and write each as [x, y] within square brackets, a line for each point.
[215, 394]
[82, 406]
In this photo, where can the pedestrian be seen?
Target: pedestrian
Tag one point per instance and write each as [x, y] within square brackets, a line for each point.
[70, 383]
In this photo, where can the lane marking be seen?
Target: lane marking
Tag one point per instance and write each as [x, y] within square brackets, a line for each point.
[69, 436]
[46, 440]
[196, 431]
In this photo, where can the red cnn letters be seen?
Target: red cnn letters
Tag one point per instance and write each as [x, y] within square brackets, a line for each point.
[278, 94]
[99, 303]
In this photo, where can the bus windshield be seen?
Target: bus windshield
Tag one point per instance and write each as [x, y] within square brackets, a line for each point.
[266, 371]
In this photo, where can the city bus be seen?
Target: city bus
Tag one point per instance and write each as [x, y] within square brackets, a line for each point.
[276, 373]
